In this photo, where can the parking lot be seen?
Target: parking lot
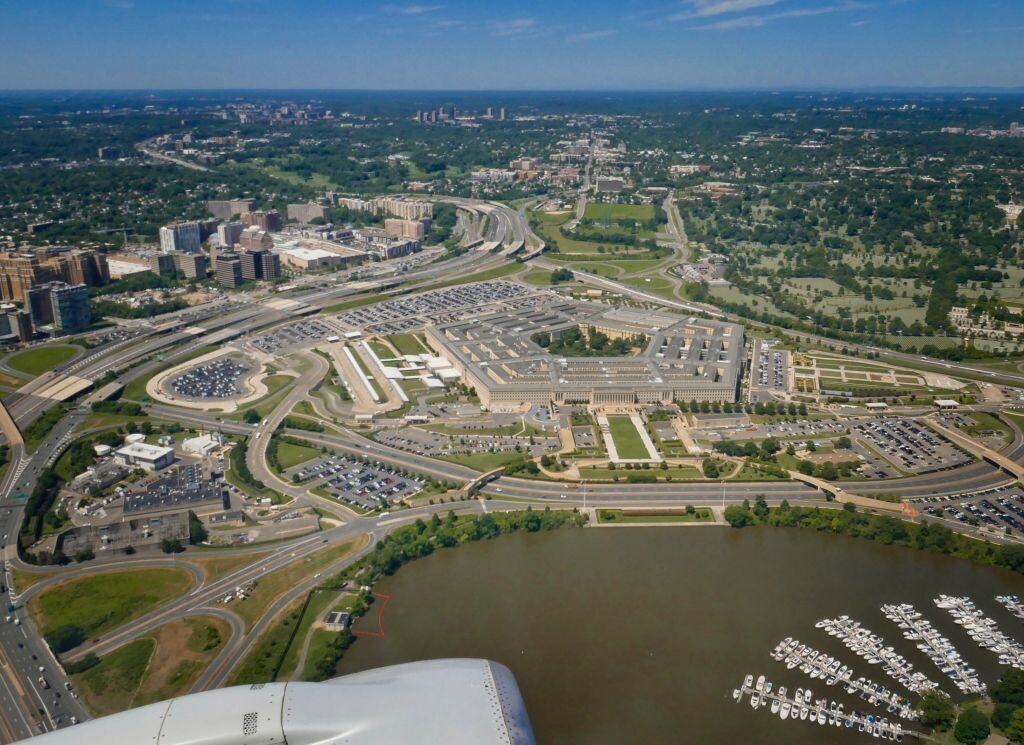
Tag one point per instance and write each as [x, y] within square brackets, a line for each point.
[406, 313]
[425, 442]
[770, 369]
[293, 336]
[909, 446]
[369, 486]
[1001, 508]
[216, 379]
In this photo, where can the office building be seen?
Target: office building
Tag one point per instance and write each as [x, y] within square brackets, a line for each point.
[70, 307]
[228, 269]
[193, 266]
[226, 209]
[20, 323]
[269, 221]
[39, 304]
[307, 213]
[252, 238]
[145, 456]
[21, 271]
[229, 232]
[398, 228]
[180, 236]
[161, 263]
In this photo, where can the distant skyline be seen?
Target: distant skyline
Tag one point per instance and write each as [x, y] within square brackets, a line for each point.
[525, 45]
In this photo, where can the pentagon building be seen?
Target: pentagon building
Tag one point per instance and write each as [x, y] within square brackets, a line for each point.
[684, 358]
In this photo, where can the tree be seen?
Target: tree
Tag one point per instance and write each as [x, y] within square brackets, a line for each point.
[1009, 689]
[196, 530]
[65, 638]
[1015, 729]
[250, 417]
[738, 517]
[171, 546]
[972, 726]
[86, 554]
[937, 710]
[843, 443]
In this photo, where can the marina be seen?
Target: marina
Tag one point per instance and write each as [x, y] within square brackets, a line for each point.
[827, 668]
[1013, 604]
[803, 706]
[983, 630]
[938, 648]
[874, 650]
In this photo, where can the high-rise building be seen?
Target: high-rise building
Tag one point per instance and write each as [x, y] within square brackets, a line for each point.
[71, 308]
[253, 238]
[398, 228]
[180, 236]
[228, 232]
[161, 263]
[19, 323]
[226, 209]
[21, 271]
[193, 266]
[252, 265]
[269, 221]
[271, 265]
[501, 114]
[65, 306]
[228, 269]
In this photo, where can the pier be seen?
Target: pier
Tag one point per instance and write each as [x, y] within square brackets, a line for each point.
[804, 707]
[825, 667]
[873, 649]
[983, 630]
[938, 648]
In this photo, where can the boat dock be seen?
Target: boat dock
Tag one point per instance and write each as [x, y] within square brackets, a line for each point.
[939, 649]
[983, 630]
[1013, 604]
[874, 650]
[827, 668]
[802, 706]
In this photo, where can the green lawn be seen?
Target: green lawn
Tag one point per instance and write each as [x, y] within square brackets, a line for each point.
[407, 344]
[988, 423]
[677, 473]
[275, 386]
[700, 515]
[626, 438]
[115, 680]
[103, 602]
[318, 604]
[39, 360]
[497, 272]
[638, 212]
[356, 303]
[289, 454]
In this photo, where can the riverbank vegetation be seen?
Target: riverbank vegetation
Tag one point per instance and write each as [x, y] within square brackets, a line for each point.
[888, 530]
[403, 545]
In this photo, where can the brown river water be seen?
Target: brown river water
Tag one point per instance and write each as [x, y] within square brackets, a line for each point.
[639, 635]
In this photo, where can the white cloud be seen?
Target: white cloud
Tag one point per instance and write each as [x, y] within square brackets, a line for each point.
[411, 10]
[514, 27]
[709, 8]
[756, 21]
[592, 35]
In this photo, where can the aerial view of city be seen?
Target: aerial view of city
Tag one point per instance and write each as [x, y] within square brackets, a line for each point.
[576, 373]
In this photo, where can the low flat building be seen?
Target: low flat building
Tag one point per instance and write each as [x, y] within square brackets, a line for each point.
[145, 456]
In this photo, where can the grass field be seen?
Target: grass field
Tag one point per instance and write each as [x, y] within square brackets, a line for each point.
[110, 686]
[259, 664]
[103, 602]
[319, 602]
[290, 454]
[626, 438]
[700, 515]
[275, 386]
[276, 583]
[215, 567]
[407, 344]
[38, 360]
[677, 473]
[355, 303]
[988, 423]
[496, 273]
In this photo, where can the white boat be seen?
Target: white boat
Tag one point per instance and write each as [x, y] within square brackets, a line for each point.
[775, 706]
[784, 714]
[736, 694]
[760, 683]
[755, 700]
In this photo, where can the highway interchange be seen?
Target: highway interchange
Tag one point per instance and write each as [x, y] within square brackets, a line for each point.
[26, 708]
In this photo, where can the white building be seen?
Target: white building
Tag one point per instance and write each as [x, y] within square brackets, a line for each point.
[180, 236]
[145, 456]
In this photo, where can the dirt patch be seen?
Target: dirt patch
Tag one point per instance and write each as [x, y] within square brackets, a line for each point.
[183, 650]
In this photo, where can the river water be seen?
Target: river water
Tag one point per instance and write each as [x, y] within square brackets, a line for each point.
[639, 635]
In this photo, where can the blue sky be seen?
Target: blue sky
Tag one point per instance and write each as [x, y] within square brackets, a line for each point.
[516, 44]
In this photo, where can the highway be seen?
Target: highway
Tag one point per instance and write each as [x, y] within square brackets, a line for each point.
[28, 709]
